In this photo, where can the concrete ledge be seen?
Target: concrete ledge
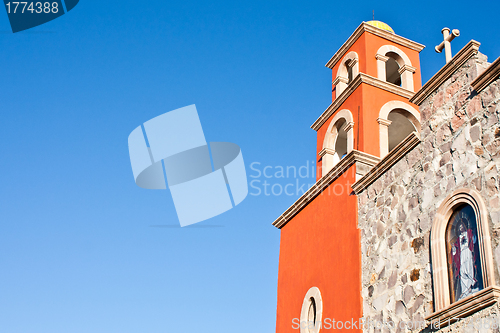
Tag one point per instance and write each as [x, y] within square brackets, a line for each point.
[377, 32]
[491, 74]
[467, 52]
[360, 78]
[465, 307]
[363, 162]
[405, 146]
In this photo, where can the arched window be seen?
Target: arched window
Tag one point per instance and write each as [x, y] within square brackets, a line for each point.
[339, 140]
[350, 75]
[396, 121]
[400, 127]
[394, 66]
[392, 69]
[461, 257]
[462, 247]
[311, 312]
[348, 70]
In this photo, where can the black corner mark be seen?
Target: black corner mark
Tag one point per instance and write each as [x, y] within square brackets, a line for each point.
[24, 15]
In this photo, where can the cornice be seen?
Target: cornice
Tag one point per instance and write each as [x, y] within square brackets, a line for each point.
[342, 166]
[467, 52]
[408, 68]
[410, 142]
[360, 78]
[377, 32]
[381, 57]
[349, 125]
[384, 122]
[340, 79]
[487, 77]
[465, 307]
[325, 151]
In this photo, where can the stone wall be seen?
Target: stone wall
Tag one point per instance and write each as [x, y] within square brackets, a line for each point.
[460, 148]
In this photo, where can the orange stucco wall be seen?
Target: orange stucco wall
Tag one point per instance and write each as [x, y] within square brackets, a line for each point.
[320, 247]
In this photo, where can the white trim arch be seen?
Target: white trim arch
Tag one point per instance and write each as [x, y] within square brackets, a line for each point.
[312, 294]
[329, 156]
[349, 62]
[406, 70]
[383, 120]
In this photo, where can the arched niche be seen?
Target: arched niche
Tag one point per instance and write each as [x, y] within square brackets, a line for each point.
[348, 70]
[394, 66]
[339, 140]
[396, 121]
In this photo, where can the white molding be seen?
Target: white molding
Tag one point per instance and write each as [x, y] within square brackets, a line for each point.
[384, 122]
[465, 307]
[406, 70]
[390, 106]
[383, 50]
[348, 126]
[381, 57]
[467, 52]
[363, 163]
[315, 294]
[330, 139]
[383, 119]
[339, 79]
[326, 151]
[361, 78]
[492, 73]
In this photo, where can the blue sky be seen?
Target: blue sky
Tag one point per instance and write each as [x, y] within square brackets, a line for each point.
[82, 248]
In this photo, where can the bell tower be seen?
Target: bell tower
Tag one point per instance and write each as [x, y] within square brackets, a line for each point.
[374, 74]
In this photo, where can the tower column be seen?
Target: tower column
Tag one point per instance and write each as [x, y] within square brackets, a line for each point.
[384, 136]
[328, 160]
[340, 84]
[406, 73]
[348, 128]
[381, 60]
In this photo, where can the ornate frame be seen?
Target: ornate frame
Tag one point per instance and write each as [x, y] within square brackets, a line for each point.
[444, 309]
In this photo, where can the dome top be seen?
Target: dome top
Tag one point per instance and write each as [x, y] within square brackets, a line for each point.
[381, 25]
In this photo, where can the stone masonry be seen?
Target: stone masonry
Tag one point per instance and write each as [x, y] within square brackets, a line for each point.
[459, 148]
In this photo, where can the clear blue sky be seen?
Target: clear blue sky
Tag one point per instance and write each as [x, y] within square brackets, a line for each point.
[82, 248]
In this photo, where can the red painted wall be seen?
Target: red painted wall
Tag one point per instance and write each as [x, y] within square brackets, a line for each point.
[320, 248]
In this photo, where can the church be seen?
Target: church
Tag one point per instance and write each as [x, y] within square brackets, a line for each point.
[400, 232]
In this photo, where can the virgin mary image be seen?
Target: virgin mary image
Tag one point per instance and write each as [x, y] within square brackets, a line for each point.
[463, 257]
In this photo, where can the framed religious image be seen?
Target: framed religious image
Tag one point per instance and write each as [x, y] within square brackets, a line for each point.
[464, 264]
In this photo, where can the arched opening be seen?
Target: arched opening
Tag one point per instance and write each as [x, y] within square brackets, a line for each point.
[349, 74]
[340, 141]
[401, 126]
[311, 313]
[347, 71]
[392, 69]
[395, 67]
